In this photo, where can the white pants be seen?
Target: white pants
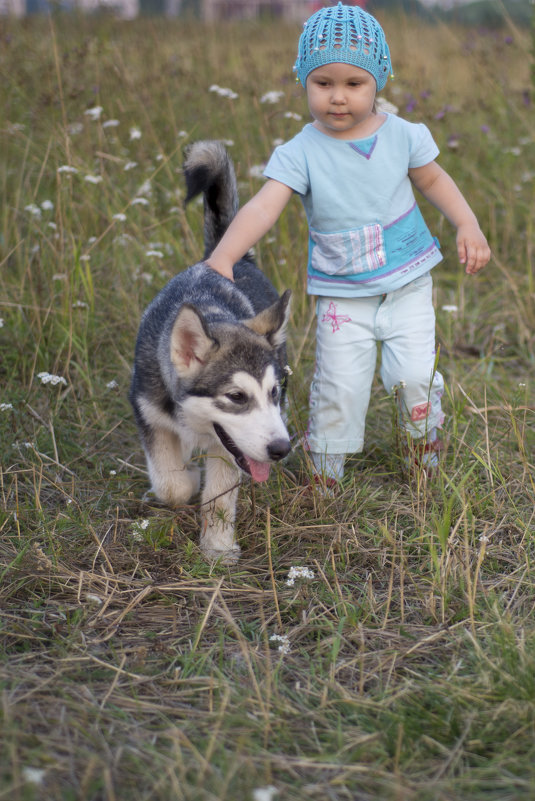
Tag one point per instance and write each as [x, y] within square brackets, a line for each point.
[348, 330]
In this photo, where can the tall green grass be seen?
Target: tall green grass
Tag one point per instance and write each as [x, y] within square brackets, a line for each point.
[132, 669]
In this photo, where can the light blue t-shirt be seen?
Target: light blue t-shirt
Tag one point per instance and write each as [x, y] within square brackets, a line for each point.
[367, 235]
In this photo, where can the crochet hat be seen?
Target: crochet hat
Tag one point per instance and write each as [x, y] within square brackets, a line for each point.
[346, 34]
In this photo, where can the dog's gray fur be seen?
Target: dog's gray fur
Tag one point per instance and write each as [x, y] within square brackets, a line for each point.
[210, 369]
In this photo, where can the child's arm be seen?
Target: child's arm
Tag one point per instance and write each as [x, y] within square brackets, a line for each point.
[249, 225]
[442, 191]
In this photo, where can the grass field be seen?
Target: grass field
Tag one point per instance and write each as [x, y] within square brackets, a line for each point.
[130, 668]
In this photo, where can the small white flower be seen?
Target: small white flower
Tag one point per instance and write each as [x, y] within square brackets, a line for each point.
[80, 304]
[48, 378]
[138, 528]
[145, 189]
[223, 91]
[119, 217]
[135, 133]
[66, 168]
[450, 308]
[75, 128]
[33, 775]
[33, 209]
[113, 472]
[59, 277]
[140, 201]
[278, 141]
[112, 384]
[284, 641]
[94, 113]
[484, 539]
[47, 205]
[110, 124]
[298, 572]
[96, 599]
[257, 171]
[93, 179]
[386, 106]
[6, 407]
[265, 793]
[291, 115]
[130, 165]
[52, 225]
[157, 254]
[271, 97]
[85, 257]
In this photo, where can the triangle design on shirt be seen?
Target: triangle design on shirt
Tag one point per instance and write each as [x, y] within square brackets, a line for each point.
[365, 147]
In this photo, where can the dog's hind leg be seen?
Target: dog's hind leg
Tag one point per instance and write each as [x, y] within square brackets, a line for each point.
[218, 509]
[173, 481]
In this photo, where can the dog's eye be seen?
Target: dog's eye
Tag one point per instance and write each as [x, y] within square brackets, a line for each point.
[237, 397]
[276, 393]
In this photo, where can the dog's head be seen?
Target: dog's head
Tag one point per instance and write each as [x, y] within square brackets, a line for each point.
[233, 377]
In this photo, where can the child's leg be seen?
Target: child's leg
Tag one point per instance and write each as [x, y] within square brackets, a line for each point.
[340, 389]
[408, 360]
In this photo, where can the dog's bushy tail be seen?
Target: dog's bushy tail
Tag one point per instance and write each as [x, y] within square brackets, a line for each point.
[209, 169]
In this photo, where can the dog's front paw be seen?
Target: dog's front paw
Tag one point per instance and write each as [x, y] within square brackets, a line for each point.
[230, 556]
[177, 487]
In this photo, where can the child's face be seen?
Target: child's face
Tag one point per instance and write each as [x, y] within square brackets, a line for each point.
[341, 99]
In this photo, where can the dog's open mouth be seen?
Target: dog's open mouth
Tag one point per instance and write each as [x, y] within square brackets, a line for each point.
[259, 471]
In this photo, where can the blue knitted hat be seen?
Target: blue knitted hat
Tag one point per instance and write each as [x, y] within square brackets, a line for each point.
[345, 34]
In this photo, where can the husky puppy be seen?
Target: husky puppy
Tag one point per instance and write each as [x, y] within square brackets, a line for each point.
[209, 370]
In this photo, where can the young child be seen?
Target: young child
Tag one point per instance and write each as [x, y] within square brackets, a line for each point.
[370, 252]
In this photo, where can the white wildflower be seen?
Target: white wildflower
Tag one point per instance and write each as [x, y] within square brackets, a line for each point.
[450, 308]
[145, 189]
[113, 472]
[96, 599]
[119, 217]
[291, 115]
[75, 128]
[66, 168]
[93, 179]
[47, 205]
[112, 384]
[265, 793]
[80, 304]
[223, 91]
[59, 277]
[271, 97]
[33, 209]
[140, 201]
[298, 572]
[6, 407]
[94, 113]
[52, 225]
[257, 171]
[278, 141]
[110, 124]
[386, 106]
[157, 254]
[48, 378]
[130, 165]
[135, 133]
[484, 540]
[284, 641]
[33, 775]
[138, 528]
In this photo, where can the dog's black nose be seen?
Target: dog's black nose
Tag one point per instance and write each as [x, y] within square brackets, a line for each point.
[278, 449]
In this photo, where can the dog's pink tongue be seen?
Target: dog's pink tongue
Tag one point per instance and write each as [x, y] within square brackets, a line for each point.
[259, 470]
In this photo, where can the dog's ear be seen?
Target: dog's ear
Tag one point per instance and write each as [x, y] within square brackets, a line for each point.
[271, 322]
[191, 344]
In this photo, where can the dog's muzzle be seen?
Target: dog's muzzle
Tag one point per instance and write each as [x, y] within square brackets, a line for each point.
[259, 471]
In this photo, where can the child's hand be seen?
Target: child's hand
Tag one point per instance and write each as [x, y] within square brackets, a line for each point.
[472, 248]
